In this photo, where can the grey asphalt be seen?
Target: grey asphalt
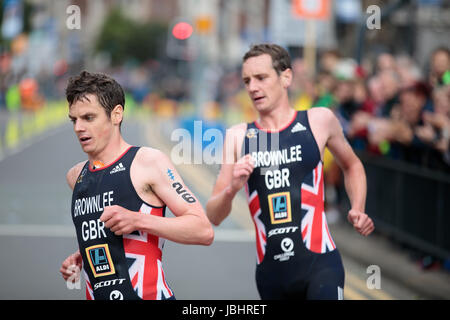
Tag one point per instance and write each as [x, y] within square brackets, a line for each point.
[34, 196]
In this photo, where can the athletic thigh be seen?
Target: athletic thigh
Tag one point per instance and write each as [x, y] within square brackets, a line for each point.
[326, 281]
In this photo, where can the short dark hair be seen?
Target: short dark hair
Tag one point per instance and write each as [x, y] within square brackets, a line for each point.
[280, 57]
[108, 92]
[442, 49]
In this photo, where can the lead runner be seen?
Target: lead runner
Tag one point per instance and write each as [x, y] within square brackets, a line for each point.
[278, 158]
[119, 199]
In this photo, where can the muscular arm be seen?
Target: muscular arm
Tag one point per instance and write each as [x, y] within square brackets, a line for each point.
[353, 170]
[232, 176]
[190, 224]
[71, 266]
[219, 204]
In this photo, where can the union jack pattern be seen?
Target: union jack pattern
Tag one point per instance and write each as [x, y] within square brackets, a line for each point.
[255, 211]
[315, 233]
[144, 253]
[89, 291]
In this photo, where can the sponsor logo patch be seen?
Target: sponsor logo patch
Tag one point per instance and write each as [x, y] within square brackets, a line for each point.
[287, 245]
[80, 178]
[280, 207]
[99, 259]
[298, 127]
[251, 133]
[118, 168]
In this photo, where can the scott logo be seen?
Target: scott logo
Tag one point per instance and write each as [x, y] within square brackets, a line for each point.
[108, 283]
[281, 231]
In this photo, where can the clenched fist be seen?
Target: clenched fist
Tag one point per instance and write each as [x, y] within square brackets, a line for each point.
[119, 220]
[361, 222]
[241, 172]
[71, 267]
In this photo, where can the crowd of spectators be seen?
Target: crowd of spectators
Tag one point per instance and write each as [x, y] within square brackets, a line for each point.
[393, 108]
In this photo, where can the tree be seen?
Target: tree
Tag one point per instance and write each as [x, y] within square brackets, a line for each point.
[126, 39]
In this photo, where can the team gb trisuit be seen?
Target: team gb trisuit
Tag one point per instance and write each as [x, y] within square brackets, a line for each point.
[296, 255]
[116, 267]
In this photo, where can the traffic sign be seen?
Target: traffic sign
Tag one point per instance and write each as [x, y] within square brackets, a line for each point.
[311, 9]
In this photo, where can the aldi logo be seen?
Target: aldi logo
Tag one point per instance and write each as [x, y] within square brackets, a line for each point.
[100, 260]
[280, 207]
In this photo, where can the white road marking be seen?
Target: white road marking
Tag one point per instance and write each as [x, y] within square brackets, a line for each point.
[35, 230]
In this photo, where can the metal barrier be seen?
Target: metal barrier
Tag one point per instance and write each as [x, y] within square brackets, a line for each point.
[409, 203]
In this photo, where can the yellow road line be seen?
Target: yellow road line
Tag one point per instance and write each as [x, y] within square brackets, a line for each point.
[362, 286]
[350, 294]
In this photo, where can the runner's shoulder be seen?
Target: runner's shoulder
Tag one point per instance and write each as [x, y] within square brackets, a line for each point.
[237, 130]
[74, 172]
[239, 127]
[321, 112]
[151, 157]
[321, 115]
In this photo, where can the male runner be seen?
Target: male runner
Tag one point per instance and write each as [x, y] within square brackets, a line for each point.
[118, 207]
[279, 160]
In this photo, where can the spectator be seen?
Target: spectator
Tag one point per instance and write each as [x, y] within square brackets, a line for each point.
[376, 93]
[357, 131]
[329, 60]
[405, 118]
[439, 64]
[436, 129]
[386, 62]
[325, 87]
[399, 127]
[408, 71]
[362, 98]
[390, 86]
[303, 88]
[346, 105]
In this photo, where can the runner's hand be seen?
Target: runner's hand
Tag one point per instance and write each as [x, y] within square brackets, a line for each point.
[241, 172]
[119, 220]
[71, 267]
[361, 222]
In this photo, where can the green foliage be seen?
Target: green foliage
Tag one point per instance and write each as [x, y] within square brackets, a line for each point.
[125, 39]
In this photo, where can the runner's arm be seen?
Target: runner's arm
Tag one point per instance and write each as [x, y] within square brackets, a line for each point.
[232, 176]
[354, 175]
[190, 224]
[73, 263]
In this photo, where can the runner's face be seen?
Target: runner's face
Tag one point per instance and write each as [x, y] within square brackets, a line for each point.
[91, 124]
[262, 82]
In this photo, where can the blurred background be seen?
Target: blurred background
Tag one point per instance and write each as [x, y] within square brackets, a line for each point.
[383, 67]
